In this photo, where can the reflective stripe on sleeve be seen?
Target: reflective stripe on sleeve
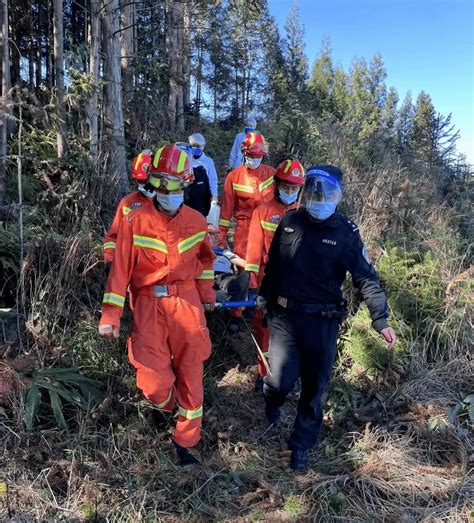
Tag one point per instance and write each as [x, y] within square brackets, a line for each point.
[224, 223]
[109, 245]
[190, 414]
[252, 267]
[243, 188]
[114, 299]
[206, 274]
[190, 242]
[265, 184]
[268, 226]
[151, 243]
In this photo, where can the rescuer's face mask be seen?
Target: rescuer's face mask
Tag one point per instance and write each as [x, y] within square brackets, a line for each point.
[197, 152]
[321, 211]
[286, 198]
[252, 162]
[170, 202]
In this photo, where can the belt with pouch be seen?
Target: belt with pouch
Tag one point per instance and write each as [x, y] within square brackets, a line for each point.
[172, 289]
[326, 310]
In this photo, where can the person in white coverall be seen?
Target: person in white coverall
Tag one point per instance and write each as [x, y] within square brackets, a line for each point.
[197, 143]
[236, 158]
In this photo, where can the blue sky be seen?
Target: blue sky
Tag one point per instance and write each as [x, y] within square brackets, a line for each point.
[425, 45]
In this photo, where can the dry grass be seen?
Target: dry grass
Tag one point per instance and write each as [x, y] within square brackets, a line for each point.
[115, 467]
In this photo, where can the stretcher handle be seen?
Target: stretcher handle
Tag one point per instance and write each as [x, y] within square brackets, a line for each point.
[235, 304]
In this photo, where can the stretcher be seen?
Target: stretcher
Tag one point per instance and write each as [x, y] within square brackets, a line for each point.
[246, 303]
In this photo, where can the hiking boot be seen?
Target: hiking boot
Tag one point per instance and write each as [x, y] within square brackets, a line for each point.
[299, 459]
[258, 387]
[235, 324]
[185, 457]
[273, 414]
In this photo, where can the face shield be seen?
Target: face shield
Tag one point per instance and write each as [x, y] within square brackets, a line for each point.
[321, 195]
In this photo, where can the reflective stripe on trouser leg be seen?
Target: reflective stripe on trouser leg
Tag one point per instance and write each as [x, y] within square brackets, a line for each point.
[149, 353]
[262, 336]
[190, 346]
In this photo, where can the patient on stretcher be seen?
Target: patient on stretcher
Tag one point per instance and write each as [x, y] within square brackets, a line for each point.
[229, 283]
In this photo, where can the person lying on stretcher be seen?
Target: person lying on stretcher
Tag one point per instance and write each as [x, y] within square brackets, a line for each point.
[229, 284]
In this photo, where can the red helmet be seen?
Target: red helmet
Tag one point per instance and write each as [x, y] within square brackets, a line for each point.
[254, 144]
[141, 166]
[290, 171]
[171, 161]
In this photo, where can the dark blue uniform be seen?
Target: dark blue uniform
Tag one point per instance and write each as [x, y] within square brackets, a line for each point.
[308, 262]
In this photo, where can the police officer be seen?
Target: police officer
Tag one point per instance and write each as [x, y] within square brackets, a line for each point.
[312, 250]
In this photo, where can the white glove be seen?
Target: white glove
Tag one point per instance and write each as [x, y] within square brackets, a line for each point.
[261, 303]
[109, 331]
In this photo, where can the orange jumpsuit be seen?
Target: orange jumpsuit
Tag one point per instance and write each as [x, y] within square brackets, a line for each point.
[169, 340]
[244, 190]
[128, 203]
[265, 220]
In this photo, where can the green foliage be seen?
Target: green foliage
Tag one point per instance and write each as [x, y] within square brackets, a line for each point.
[65, 387]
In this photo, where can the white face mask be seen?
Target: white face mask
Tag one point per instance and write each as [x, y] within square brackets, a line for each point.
[252, 163]
[286, 198]
[170, 202]
[321, 210]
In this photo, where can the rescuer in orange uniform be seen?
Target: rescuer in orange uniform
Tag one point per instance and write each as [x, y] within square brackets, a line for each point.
[134, 200]
[163, 252]
[289, 178]
[245, 188]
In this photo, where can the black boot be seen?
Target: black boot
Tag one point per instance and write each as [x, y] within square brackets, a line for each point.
[185, 457]
[299, 459]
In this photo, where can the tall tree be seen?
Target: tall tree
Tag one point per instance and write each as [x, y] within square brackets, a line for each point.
[294, 51]
[127, 44]
[4, 43]
[113, 104]
[94, 62]
[58, 31]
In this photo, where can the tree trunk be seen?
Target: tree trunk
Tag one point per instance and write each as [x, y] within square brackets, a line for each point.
[93, 106]
[174, 41]
[4, 43]
[113, 94]
[186, 56]
[58, 32]
[127, 44]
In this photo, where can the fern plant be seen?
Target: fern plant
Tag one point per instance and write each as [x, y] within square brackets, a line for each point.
[57, 388]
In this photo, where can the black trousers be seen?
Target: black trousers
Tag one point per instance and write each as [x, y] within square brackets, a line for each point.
[301, 345]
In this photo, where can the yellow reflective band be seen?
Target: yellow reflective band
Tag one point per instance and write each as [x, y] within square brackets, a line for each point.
[252, 137]
[157, 156]
[242, 188]
[269, 226]
[163, 403]
[109, 245]
[137, 161]
[126, 210]
[190, 242]
[224, 223]
[252, 267]
[190, 414]
[151, 243]
[206, 274]
[288, 165]
[114, 299]
[181, 162]
[265, 184]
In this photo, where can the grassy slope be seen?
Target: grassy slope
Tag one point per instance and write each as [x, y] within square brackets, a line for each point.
[378, 458]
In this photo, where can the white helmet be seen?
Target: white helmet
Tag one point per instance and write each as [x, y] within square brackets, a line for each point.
[250, 122]
[197, 140]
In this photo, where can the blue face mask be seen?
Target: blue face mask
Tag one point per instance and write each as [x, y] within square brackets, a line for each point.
[321, 210]
[286, 198]
[170, 202]
[197, 152]
[248, 130]
[253, 163]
